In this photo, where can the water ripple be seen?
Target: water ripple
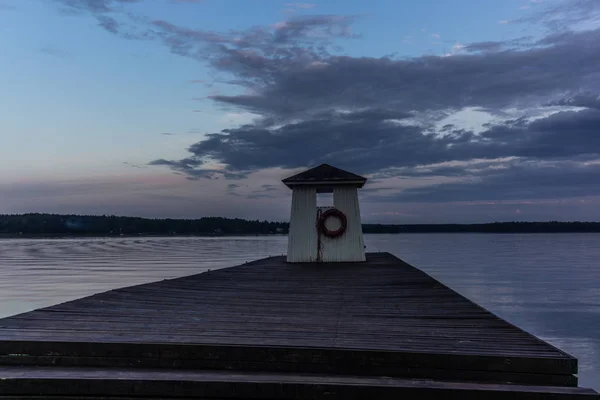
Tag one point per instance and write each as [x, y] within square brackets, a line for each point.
[547, 284]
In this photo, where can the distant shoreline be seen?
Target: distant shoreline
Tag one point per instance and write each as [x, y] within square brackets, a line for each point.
[130, 235]
[224, 236]
[73, 226]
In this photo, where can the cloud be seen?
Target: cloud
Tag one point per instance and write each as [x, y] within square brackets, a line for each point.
[383, 116]
[55, 52]
[95, 6]
[523, 180]
[304, 6]
[265, 191]
[484, 47]
[259, 54]
[292, 8]
[268, 187]
[187, 166]
[343, 141]
[109, 23]
[260, 196]
[495, 80]
[377, 115]
[586, 100]
[105, 12]
[565, 15]
[133, 165]
[549, 158]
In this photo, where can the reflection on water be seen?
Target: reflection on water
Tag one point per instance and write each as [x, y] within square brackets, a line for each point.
[548, 284]
[41, 272]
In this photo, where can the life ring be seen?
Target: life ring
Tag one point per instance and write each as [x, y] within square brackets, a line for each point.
[332, 212]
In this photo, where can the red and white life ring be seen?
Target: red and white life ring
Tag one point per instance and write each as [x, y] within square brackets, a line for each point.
[332, 212]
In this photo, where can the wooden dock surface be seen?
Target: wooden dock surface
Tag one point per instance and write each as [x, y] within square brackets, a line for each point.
[269, 321]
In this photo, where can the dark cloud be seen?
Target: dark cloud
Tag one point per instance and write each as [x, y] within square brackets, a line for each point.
[342, 141]
[564, 134]
[535, 157]
[491, 80]
[485, 47]
[369, 145]
[522, 43]
[292, 71]
[587, 100]
[550, 158]
[109, 23]
[519, 181]
[382, 116]
[377, 114]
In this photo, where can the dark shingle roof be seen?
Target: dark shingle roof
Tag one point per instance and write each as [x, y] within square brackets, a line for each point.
[324, 173]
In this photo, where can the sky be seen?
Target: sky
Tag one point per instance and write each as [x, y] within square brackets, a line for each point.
[463, 111]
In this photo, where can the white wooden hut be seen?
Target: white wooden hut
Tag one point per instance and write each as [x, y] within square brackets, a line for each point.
[325, 234]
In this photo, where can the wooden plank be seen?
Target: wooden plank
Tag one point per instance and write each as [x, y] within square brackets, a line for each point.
[347, 368]
[337, 357]
[155, 383]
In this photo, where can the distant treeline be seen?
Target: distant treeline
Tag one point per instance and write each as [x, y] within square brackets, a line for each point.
[54, 224]
[496, 227]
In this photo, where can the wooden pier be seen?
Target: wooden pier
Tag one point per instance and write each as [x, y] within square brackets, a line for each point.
[273, 330]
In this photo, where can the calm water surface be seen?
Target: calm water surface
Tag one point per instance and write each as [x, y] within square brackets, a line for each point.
[546, 284]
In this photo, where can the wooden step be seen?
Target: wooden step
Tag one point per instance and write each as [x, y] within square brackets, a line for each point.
[158, 383]
[420, 365]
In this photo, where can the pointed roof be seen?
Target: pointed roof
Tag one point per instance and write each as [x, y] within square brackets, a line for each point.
[325, 174]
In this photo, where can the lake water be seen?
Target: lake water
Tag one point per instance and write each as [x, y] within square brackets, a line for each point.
[547, 284]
